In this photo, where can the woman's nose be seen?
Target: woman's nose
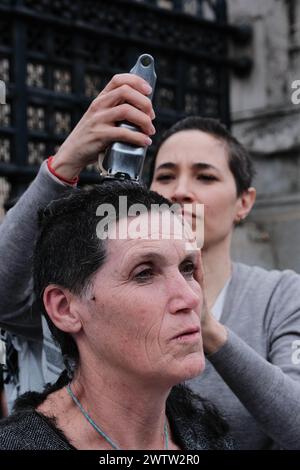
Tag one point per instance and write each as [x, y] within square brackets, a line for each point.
[184, 298]
[182, 192]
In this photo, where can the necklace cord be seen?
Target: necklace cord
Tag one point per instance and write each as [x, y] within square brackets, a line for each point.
[100, 431]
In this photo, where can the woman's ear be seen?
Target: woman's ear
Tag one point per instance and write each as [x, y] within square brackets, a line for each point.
[245, 203]
[60, 305]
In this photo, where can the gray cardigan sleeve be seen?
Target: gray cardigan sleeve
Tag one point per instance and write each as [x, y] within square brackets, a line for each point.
[269, 389]
[17, 238]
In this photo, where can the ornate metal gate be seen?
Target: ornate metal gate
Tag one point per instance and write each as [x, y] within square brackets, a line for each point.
[55, 55]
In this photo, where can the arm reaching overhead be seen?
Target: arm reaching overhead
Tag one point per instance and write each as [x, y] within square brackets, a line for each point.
[125, 98]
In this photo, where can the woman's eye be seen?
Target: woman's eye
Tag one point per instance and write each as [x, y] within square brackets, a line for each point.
[144, 275]
[207, 178]
[165, 177]
[188, 268]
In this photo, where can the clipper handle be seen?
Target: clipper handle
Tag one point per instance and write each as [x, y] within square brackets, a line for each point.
[125, 161]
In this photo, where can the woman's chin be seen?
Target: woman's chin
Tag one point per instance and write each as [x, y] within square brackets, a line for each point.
[191, 367]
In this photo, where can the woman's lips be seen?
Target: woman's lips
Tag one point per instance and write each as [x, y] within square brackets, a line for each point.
[191, 334]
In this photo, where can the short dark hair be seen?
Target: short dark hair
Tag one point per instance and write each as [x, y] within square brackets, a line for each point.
[240, 162]
[68, 251]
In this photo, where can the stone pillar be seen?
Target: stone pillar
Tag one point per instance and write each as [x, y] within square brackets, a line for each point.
[268, 123]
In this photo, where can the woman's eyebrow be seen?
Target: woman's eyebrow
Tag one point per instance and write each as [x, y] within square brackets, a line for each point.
[159, 258]
[204, 166]
[145, 257]
[167, 166]
[195, 166]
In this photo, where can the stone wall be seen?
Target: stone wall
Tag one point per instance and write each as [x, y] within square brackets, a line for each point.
[268, 123]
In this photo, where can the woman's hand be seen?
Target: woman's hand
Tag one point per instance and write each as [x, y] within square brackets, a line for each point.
[123, 99]
[214, 334]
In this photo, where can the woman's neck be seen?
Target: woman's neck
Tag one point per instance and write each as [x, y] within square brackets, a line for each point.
[133, 417]
[217, 270]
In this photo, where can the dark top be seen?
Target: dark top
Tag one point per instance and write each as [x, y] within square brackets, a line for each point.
[27, 429]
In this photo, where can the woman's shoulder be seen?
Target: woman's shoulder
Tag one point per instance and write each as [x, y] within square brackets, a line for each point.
[257, 276]
[196, 423]
[27, 429]
[18, 431]
[262, 295]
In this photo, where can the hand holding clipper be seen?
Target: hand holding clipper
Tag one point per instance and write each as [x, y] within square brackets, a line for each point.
[125, 161]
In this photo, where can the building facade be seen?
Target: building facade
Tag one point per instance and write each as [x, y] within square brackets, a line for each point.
[265, 113]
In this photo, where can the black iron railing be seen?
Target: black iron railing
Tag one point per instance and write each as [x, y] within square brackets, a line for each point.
[55, 56]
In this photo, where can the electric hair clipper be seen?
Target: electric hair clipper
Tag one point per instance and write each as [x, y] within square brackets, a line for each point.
[121, 160]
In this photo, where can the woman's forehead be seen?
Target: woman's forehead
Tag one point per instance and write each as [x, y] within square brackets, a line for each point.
[187, 148]
[162, 252]
[158, 232]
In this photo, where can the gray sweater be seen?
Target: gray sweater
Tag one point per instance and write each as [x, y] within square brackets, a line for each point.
[254, 379]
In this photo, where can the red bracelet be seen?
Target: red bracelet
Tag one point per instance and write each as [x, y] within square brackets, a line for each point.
[61, 178]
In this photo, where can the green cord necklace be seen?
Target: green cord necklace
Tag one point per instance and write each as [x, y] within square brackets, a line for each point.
[100, 431]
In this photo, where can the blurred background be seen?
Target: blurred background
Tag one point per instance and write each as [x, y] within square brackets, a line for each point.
[235, 60]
